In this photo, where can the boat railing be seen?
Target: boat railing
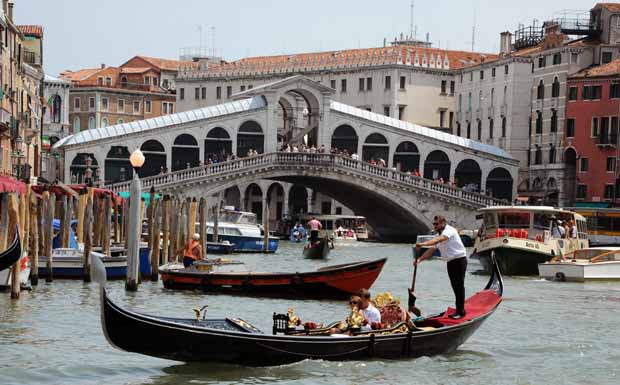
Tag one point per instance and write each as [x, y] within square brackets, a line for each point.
[310, 159]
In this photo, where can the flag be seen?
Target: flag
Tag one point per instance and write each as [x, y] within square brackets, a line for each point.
[50, 101]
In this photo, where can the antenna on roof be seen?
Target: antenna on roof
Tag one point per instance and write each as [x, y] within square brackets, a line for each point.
[411, 21]
[200, 34]
[473, 33]
[213, 41]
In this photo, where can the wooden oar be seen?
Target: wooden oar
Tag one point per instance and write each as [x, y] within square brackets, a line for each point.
[412, 308]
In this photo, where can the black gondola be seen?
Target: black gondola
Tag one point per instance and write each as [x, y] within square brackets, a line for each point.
[235, 341]
[11, 255]
[317, 250]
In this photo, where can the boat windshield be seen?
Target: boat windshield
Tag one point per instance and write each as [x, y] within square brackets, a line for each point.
[597, 255]
[238, 217]
[513, 220]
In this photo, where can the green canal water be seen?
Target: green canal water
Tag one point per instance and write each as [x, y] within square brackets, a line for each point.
[542, 333]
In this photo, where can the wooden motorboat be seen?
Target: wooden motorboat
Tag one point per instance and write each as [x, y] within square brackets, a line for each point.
[594, 263]
[69, 263]
[317, 250]
[12, 254]
[331, 281]
[236, 341]
[220, 247]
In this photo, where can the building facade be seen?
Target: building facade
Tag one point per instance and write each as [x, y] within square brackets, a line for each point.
[56, 123]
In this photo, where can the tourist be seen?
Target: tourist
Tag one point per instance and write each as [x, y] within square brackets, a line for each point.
[354, 156]
[417, 172]
[340, 231]
[557, 228]
[370, 312]
[355, 315]
[192, 251]
[315, 225]
[161, 170]
[451, 248]
[322, 149]
[313, 149]
[572, 229]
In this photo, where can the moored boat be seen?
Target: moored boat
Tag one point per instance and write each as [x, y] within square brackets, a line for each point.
[523, 237]
[330, 281]
[12, 253]
[240, 229]
[220, 247]
[69, 263]
[318, 249]
[236, 341]
[595, 263]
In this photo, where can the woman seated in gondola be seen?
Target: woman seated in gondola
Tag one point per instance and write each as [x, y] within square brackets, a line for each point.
[354, 322]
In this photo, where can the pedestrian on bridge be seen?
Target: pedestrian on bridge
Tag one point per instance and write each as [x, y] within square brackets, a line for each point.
[449, 243]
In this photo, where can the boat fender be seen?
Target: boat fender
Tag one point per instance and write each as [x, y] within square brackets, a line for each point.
[296, 280]
[560, 277]
[371, 345]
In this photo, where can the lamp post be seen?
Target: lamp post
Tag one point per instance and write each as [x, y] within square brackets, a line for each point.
[135, 227]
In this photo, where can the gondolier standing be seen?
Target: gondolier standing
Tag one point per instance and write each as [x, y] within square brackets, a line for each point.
[192, 251]
[315, 225]
[451, 248]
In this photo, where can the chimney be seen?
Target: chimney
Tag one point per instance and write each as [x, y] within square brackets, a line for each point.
[11, 11]
[505, 43]
[102, 65]
[5, 6]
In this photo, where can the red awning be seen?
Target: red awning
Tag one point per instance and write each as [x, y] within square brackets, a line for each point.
[57, 190]
[8, 184]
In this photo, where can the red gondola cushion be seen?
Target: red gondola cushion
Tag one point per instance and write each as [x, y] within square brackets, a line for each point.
[475, 306]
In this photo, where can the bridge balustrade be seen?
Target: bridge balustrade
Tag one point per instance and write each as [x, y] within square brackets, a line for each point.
[296, 158]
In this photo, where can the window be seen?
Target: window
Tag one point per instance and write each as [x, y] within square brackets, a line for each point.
[492, 97]
[614, 128]
[155, 81]
[614, 90]
[469, 102]
[100, 81]
[452, 87]
[164, 83]
[76, 124]
[123, 81]
[104, 122]
[250, 87]
[605, 128]
[242, 88]
[147, 80]
[361, 84]
[540, 92]
[572, 93]
[493, 72]
[557, 58]
[164, 107]
[554, 121]
[570, 127]
[369, 84]
[403, 80]
[343, 85]
[479, 129]
[120, 121]
[552, 154]
[443, 87]
[76, 104]
[458, 128]
[611, 164]
[503, 126]
[538, 155]
[461, 78]
[228, 92]
[583, 164]
[591, 92]
[594, 131]
[582, 191]
[491, 128]
[606, 57]
[442, 116]
[91, 104]
[218, 92]
[203, 93]
[136, 107]
[91, 122]
[609, 191]
[108, 81]
[120, 105]
[471, 76]
[460, 103]
[401, 112]
[468, 130]
[506, 70]
[332, 84]
[386, 110]
[147, 106]
[481, 75]
[104, 104]
[196, 93]
[555, 88]
[388, 82]
[451, 120]
[542, 62]
[539, 122]
[181, 93]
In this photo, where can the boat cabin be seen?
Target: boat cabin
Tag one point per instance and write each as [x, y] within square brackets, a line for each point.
[332, 222]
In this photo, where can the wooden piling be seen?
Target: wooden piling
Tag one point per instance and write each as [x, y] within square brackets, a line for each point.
[202, 219]
[216, 221]
[35, 215]
[80, 215]
[61, 207]
[87, 236]
[4, 220]
[14, 218]
[117, 237]
[67, 215]
[49, 234]
[193, 213]
[165, 227]
[150, 217]
[107, 203]
[155, 240]
[266, 227]
[25, 220]
[172, 244]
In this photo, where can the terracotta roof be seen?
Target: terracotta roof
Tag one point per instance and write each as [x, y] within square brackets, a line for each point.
[611, 7]
[366, 57]
[79, 75]
[31, 30]
[164, 64]
[610, 69]
[134, 70]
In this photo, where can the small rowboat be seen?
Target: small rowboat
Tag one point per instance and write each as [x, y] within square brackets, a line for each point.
[236, 341]
[11, 255]
[318, 250]
[331, 281]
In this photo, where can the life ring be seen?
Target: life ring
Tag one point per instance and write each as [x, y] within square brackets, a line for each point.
[559, 276]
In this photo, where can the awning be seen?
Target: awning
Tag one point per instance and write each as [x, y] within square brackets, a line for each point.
[8, 184]
[57, 190]
[593, 205]
[145, 195]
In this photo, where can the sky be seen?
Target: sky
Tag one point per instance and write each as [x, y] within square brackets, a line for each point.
[88, 33]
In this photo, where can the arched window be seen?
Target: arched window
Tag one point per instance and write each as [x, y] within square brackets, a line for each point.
[120, 121]
[469, 102]
[541, 90]
[505, 93]
[123, 81]
[552, 154]
[460, 102]
[491, 128]
[479, 129]
[76, 124]
[555, 88]
[538, 156]
[56, 110]
[492, 96]
[91, 122]
[104, 122]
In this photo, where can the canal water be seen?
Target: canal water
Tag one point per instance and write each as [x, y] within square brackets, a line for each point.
[542, 333]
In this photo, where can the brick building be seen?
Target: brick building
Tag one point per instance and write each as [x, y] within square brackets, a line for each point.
[591, 139]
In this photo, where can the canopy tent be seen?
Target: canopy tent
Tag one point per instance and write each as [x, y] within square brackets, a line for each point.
[9, 184]
[145, 195]
[59, 190]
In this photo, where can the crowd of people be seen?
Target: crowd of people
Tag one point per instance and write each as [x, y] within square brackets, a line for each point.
[563, 229]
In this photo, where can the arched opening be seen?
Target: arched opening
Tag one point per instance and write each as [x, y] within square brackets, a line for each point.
[185, 152]
[537, 184]
[570, 176]
[345, 138]
[217, 145]
[406, 157]
[275, 199]
[540, 91]
[56, 110]
[437, 165]
[298, 200]
[254, 200]
[83, 167]
[499, 184]
[555, 88]
[232, 197]
[117, 166]
[155, 158]
[299, 111]
[468, 175]
[250, 136]
[375, 147]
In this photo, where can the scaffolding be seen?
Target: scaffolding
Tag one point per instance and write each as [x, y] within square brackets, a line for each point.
[528, 36]
[576, 22]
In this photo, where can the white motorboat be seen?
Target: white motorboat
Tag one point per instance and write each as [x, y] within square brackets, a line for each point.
[595, 263]
[241, 230]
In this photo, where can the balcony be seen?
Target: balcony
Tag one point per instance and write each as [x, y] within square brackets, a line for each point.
[503, 110]
[538, 139]
[32, 58]
[607, 141]
[459, 116]
[478, 113]
[468, 116]
[491, 111]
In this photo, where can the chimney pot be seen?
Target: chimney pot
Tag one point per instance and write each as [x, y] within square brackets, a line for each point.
[102, 65]
[11, 11]
[505, 43]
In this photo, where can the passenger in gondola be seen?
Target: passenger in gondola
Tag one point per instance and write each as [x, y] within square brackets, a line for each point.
[192, 251]
[370, 312]
[354, 320]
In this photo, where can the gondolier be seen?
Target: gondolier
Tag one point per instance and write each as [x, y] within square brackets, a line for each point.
[451, 248]
[192, 251]
[315, 225]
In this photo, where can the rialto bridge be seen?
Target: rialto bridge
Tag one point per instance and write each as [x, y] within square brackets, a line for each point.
[395, 202]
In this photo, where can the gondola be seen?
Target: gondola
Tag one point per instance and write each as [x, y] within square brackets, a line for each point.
[328, 282]
[11, 255]
[235, 341]
[317, 250]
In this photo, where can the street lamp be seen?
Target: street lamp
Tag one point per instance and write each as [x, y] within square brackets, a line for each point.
[135, 227]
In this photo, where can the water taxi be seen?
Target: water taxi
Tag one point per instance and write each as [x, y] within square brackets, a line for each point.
[522, 237]
[240, 229]
[595, 263]
[603, 225]
[331, 223]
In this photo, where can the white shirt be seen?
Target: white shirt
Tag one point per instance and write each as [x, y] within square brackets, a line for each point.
[452, 248]
[371, 314]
